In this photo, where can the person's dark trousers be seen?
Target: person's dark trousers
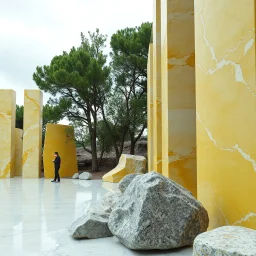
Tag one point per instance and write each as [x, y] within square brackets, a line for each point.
[57, 176]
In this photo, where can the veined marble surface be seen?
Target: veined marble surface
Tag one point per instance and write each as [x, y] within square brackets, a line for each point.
[128, 164]
[32, 136]
[7, 133]
[60, 138]
[178, 93]
[225, 105]
[150, 108]
[36, 213]
[18, 152]
[157, 94]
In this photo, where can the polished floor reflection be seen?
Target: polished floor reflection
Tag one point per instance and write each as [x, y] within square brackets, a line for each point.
[35, 215]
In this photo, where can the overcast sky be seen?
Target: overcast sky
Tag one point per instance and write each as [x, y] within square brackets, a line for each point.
[32, 32]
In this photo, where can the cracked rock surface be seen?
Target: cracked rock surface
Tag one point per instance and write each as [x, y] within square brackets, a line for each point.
[226, 241]
[93, 224]
[125, 182]
[157, 213]
[111, 199]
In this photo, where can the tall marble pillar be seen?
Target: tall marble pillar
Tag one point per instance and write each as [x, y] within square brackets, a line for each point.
[32, 136]
[60, 138]
[7, 132]
[178, 93]
[150, 108]
[157, 103]
[226, 110]
[18, 152]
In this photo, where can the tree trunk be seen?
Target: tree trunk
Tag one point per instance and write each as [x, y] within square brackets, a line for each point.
[111, 136]
[94, 151]
[93, 135]
[134, 139]
[101, 156]
[122, 141]
[132, 149]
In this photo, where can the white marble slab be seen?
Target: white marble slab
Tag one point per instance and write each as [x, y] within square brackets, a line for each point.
[35, 215]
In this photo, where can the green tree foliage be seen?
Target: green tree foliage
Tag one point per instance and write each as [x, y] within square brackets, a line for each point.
[19, 116]
[116, 122]
[51, 114]
[79, 81]
[104, 142]
[82, 136]
[104, 115]
[129, 65]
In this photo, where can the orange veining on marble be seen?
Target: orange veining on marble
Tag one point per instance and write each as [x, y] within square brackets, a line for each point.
[31, 99]
[26, 154]
[6, 171]
[178, 93]
[157, 94]
[191, 60]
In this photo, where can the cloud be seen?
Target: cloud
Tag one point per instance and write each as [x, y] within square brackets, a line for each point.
[33, 32]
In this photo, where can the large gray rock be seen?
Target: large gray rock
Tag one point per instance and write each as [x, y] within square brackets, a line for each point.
[226, 241]
[94, 224]
[125, 182]
[110, 199]
[85, 176]
[157, 213]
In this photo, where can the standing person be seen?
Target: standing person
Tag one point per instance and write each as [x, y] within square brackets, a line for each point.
[57, 162]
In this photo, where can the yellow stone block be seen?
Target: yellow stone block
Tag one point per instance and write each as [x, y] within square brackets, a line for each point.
[178, 93]
[18, 152]
[226, 104]
[7, 132]
[127, 164]
[60, 138]
[32, 137]
[150, 108]
[157, 102]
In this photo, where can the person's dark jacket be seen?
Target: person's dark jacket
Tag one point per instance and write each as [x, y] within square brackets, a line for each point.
[57, 162]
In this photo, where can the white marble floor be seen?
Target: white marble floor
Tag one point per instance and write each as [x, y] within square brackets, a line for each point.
[35, 215]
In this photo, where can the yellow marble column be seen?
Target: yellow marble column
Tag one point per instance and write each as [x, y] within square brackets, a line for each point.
[18, 152]
[157, 103]
[32, 136]
[178, 93]
[226, 107]
[150, 108]
[7, 132]
[60, 138]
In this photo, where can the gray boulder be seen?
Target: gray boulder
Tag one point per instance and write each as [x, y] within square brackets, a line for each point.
[226, 241]
[94, 224]
[125, 182]
[75, 176]
[157, 213]
[110, 199]
[85, 176]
